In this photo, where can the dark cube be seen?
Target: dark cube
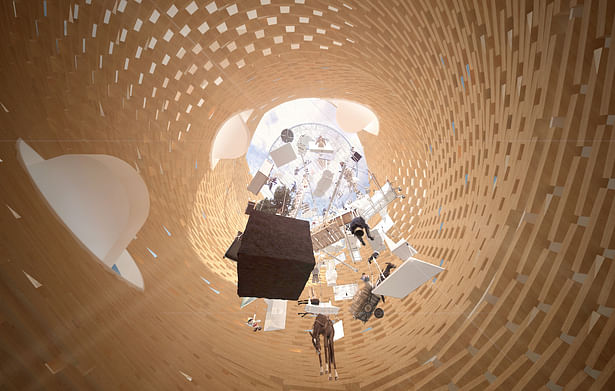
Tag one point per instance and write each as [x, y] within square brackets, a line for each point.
[233, 250]
[275, 258]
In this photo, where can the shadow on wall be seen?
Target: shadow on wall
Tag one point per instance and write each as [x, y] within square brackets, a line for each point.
[100, 198]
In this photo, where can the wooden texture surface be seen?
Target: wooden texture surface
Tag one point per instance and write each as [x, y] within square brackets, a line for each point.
[496, 119]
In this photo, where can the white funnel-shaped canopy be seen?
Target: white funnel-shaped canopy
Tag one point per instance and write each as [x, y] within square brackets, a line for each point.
[232, 139]
[353, 117]
[101, 199]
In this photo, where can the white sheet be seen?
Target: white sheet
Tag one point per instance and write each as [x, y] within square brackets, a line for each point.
[406, 278]
[338, 328]
[275, 319]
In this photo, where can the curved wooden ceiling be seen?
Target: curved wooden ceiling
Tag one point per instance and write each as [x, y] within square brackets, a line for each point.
[496, 120]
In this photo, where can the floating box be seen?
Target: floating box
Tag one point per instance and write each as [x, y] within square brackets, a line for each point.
[276, 258]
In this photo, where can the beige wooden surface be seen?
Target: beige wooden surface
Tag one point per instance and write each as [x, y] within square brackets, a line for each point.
[529, 257]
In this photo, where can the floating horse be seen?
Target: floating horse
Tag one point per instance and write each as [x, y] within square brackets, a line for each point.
[324, 326]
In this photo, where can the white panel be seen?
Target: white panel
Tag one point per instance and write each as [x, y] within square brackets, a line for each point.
[386, 223]
[345, 292]
[257, 183]
[266, 167]
[283, 155]
[275, 319]
[338, 328]
[406, 278]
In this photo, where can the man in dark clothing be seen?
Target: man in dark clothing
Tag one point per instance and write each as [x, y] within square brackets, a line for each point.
[358, 227]
[385, 274]
[387, 270]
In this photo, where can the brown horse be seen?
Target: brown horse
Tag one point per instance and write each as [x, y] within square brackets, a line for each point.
[324, 326]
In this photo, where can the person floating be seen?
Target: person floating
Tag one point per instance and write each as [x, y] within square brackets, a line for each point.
[358, 227]
[252, 322]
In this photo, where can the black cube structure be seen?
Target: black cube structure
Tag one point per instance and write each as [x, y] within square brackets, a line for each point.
[233, 250]
[276, 258]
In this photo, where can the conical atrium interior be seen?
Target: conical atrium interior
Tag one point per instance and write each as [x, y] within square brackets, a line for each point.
[492, 120]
